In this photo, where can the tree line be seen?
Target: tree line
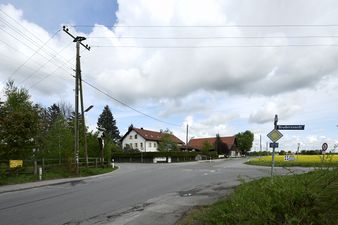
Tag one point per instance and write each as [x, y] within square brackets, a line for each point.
[29, 131]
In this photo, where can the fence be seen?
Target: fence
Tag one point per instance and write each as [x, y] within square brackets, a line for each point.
[31, 166]
[151, 157]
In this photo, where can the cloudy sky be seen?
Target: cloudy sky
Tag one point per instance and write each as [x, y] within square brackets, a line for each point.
[220, 66]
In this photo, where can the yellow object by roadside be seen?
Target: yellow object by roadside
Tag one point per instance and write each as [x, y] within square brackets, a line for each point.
[15, 163]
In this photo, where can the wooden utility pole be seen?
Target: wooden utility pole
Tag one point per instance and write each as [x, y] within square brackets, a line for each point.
[186, 139]
[78, 84]
[83, 123]
[274, 147]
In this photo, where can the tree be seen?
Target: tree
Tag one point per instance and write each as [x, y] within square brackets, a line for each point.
[220, 147]
[59, 140]
[206, 147]
[19, 124]
[244, 141]
[52, 114]
[218, 144]
[282, 152]
[66, 109]
[107, 121]
[167, 144]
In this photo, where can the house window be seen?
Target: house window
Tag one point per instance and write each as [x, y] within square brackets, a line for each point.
[135, 145]
[154, 145]
[141, 145]
[135, 136]
[150, 144]
[130, 137]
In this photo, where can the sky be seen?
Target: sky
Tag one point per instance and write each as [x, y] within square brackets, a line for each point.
[222, 67]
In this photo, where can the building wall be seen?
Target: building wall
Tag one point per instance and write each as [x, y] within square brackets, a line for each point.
[137, 142]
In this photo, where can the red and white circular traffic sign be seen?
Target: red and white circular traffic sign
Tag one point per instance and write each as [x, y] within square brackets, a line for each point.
[324, 146]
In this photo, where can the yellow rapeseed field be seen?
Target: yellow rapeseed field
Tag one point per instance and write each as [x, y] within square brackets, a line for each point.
[306, 160]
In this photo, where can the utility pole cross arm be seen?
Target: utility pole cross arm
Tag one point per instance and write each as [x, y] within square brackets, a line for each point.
[77, 38]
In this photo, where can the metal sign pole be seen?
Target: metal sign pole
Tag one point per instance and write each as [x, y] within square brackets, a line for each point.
[273, 159]
[273, 148]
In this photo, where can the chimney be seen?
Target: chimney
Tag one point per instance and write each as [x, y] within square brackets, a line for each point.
[141, 128]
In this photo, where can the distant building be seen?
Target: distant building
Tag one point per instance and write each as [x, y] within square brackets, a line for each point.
[145, 140]
[196, 144]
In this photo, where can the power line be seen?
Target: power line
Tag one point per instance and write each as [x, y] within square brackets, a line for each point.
[49, 74]
[26, 45]
[214, 37]
[15, 29]
[216, 46]
[43, 65]
[128, 106]
[15, 49]
[212, 26]
[24, 36]
[60, 64]
[24, 63]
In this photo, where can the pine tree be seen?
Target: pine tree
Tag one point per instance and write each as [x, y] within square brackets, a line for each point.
[53, 113]
[107, 121]
[220, 147]
[218, 144]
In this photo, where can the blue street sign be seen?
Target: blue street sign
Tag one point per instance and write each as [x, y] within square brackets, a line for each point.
[290, 127]
[273, 145]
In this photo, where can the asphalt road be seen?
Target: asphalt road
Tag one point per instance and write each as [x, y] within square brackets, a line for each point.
[134, 194]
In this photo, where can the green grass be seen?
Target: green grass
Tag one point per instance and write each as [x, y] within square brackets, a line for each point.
[52, 173]
[298, 199]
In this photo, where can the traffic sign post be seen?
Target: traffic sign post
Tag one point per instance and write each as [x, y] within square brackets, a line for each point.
[275, 135]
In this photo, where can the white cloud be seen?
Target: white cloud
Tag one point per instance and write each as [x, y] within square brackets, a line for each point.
[216, 90]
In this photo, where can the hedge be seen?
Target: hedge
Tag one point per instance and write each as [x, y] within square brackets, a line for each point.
[147, 157]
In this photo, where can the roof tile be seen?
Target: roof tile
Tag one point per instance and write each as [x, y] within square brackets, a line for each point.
[155, 136]
[197, 143]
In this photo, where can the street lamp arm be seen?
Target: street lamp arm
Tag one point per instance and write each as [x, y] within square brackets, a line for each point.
[89, 108]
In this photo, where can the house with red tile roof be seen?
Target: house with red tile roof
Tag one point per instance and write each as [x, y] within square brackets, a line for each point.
[196, 144]
[146, 140]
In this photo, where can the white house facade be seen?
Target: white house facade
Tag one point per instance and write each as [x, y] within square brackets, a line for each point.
[144, 140]
[136, 141]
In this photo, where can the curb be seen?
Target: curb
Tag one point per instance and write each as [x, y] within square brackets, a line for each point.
[44, 183]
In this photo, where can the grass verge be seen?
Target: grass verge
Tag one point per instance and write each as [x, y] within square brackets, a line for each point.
[297, 199]
[52, 173]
